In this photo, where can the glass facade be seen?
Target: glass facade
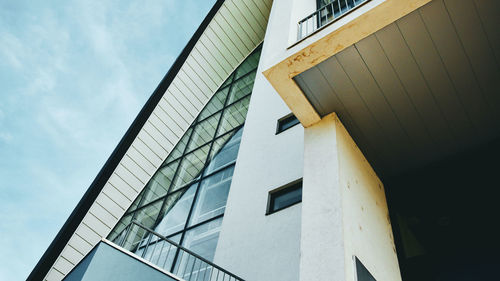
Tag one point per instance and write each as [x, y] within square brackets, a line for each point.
[186, 198]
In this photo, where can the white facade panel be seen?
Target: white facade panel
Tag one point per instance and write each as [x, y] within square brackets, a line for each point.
[189, 88]
[161, 128]
[54, 275]
[88, 234]
[111, 206]
[72, 255]
[210, 66]
[169, 114]
[142, 161]
[104, 215]
[118, 197]
[96, 225]
[79, 244]
[152, 143]
[63, 265]
[125, 182]
[206, 44]
[138, 171]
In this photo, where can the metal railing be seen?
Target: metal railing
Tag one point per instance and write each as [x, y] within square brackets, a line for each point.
[170, 256]
[325, 15]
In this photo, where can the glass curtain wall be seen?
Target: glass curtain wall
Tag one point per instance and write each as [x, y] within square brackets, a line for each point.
[186, 198]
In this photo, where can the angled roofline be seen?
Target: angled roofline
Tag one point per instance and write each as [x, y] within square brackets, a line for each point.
[55, 248]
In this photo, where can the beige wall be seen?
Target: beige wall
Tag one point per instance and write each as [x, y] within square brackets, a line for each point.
[367, 227]
[344, 210]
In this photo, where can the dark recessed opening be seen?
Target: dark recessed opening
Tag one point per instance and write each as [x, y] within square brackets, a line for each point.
[285, 197]
[286, 123]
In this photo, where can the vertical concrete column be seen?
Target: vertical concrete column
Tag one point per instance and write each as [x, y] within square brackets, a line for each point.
[344, 210]
[322, 242]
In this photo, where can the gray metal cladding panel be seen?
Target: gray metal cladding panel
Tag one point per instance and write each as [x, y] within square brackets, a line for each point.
[108, 263]
[421, 88]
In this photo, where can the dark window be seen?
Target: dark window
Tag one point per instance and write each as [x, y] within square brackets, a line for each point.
[285, 197]
[363, 273]
[286, 123]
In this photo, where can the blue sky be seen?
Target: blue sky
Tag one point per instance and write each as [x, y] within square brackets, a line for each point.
[73, 76]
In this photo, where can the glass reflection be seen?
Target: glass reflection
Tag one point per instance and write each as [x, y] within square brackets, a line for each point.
[212, 197]
[177, 209]
[225, 155]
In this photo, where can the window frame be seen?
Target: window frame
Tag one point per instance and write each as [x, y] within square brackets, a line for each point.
[282, 119]
[289, 187]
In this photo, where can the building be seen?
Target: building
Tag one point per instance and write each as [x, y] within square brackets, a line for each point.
[391, 174]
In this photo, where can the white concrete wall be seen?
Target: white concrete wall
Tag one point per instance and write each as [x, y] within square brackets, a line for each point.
[344, 211]
[252, 245]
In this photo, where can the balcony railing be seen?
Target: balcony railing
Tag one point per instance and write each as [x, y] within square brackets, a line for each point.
[326, 15]
[171, 256]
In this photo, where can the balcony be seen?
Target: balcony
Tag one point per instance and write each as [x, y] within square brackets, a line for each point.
[152, 257]
[326, 15]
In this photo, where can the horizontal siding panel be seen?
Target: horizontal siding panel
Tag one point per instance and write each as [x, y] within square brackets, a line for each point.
[126, 182]
[213, 43]
[264, 7]
[160, 138]
[54, 275]
[103, 215]
[237, 35]
[248, 35]
[149, 154]
[88, 234]
[163, 129]
[170, 114]
[141, 160]
[186, 88]
[136, 170]
[224, 44]
[205, 46]
[210, 66]
[259, 18]
[63, 265]
[96, 225]
[180, 104]
[110, 205]
[155, 145]
[231, 39]
[79, 244]
[240, 11]
[201, 76]
[118, 196]
[72, 255]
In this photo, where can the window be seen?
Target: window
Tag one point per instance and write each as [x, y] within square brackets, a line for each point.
[286, 123]
[362, 273]
[284, 197]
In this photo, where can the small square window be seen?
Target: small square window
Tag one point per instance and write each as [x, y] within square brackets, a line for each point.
[285, 197]
[286, 123]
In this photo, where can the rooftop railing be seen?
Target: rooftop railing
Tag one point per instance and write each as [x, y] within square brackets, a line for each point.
[170, 256]
[326, 15]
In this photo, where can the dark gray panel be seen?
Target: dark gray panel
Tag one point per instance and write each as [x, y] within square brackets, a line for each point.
[457, 64]
[107, 263]
[470, 30]
[422, 47]
[410, 75]
[419, 141]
